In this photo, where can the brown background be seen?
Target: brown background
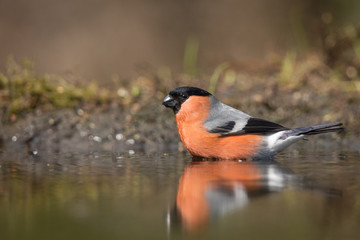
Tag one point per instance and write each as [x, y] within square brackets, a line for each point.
[98, 38]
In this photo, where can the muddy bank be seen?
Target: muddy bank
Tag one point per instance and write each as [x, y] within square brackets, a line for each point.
[130, 118]
[90, 128]
[151, 128]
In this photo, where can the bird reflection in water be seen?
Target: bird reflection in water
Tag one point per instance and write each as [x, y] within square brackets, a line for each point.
[210, 189]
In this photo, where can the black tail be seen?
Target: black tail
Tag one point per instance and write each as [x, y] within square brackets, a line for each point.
[323, 128]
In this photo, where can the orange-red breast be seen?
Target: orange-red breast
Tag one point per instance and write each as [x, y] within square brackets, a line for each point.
[211, 129]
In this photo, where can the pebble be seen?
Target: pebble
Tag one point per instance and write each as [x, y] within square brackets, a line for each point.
[97, 139]
[119, 136]
[130, 141]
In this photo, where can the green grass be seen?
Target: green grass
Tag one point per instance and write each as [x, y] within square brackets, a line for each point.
[190, 56]
[214, 79]
[23, 90]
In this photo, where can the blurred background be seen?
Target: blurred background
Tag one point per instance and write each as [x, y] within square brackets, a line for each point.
[96, 39]
[276, 55]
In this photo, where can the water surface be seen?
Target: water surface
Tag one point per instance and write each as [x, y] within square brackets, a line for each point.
[109, 195]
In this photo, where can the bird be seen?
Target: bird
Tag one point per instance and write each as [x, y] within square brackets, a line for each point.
[211, 129]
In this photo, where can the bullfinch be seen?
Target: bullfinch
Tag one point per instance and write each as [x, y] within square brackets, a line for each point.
[209, 128]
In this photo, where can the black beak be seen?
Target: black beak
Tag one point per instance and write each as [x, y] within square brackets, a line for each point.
[169, 102]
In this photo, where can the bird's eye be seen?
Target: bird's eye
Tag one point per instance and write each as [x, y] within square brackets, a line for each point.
[183, 96]
[180, 96]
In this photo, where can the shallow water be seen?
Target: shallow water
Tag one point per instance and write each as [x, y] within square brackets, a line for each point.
[159, 196]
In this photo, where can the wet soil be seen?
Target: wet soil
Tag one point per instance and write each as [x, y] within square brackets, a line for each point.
[90, 128]
[312, 95]
[151, 128]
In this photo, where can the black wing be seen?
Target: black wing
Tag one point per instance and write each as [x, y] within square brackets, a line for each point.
[257, 125]
[253, 126]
